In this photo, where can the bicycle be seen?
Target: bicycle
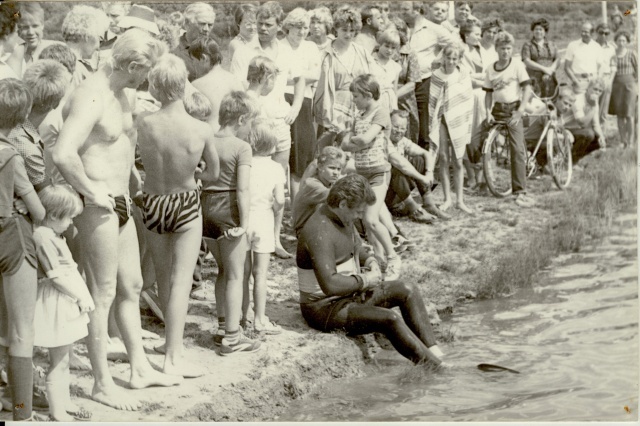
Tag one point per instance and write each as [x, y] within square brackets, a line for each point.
[496, 155]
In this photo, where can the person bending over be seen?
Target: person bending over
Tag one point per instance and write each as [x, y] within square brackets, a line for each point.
[337, 294]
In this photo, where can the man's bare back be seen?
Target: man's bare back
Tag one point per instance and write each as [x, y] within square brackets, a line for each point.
[171, 144]
[215, 85]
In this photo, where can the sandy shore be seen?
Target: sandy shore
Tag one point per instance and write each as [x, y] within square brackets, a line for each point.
[447, 266]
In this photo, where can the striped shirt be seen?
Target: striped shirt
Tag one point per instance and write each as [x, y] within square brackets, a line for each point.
[426, 39]
[628, 64]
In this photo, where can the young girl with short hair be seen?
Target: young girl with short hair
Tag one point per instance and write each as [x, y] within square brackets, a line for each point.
[63, 298]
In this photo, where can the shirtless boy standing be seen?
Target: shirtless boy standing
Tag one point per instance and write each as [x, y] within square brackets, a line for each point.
[171, 144]
[95, 154]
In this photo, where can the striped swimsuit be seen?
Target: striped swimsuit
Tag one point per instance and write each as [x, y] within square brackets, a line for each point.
[164, 214]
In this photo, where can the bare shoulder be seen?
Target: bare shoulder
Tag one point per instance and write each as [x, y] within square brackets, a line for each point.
[201, 128]
[84, 100]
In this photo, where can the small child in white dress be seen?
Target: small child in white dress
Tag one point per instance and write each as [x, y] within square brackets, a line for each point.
[267, 201]
[63, 298]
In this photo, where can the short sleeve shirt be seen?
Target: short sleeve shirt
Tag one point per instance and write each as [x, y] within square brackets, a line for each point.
[286, 62]
[506, 84]
[54, 256]
[265, 175]
[25, 138]
[373, 159]
[14, 182]
[585, 57]
[544, 55]
[406, 147]
[233, 153]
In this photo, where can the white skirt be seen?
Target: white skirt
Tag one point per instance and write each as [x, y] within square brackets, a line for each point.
[58, 320]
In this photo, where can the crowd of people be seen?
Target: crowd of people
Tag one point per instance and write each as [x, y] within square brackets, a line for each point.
[138, 144]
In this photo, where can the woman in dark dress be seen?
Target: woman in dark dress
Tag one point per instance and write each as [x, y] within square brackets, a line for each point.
[541, 59]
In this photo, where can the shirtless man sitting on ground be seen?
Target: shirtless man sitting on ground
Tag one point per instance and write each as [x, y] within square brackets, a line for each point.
[95, 154]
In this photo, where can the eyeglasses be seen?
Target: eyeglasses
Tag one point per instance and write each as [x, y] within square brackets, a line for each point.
[604, 32]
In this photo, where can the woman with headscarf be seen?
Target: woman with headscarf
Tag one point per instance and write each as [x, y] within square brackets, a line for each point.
[540, 56]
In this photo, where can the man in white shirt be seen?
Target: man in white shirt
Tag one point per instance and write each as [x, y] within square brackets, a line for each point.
[582, 59]
[372, 22]
[609, 65]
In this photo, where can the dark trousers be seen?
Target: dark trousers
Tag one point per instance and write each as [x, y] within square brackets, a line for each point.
[422, 98]
[518, 150]
[401, 185]
[585, 143]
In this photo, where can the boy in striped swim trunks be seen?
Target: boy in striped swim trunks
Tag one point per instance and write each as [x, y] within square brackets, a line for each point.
[171, 145]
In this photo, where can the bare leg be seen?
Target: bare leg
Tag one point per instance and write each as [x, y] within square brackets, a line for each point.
[444, 176]
[221, 281]
[260, 268]
[458, 185]
[98, 232]
[622, 130]
[373, 224]
[233, 253]
[58, 384]
[281, 158]
[246, 293]
[295, 185]
[184, 249]
[129, 285]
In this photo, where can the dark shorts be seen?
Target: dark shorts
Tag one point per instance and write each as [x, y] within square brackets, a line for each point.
[219, 213]
[16, 244]
[377, 179]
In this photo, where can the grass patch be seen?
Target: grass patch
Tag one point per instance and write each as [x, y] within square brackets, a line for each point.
[607, 185]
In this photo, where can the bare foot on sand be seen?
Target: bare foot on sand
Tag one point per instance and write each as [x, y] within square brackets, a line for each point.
[152, 377]
[462, 206]
[282, 253]
[445, 206]
[61, 417]
[183, 369]
[116, 397]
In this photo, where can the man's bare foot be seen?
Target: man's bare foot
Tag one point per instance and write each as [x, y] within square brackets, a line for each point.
[445, 206]
[116, 351]
[282, 253]
[117, 398]
[149, 335]
[152, 377]
[183, 369]
[462, 206]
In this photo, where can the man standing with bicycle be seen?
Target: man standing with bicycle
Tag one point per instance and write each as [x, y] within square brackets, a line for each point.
[508, 90]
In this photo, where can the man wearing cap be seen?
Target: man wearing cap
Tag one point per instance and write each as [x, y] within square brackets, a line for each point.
[198, 22]
[583, 59]
[608, 68]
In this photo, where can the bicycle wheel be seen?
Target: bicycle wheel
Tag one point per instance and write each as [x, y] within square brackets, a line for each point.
[496, 161]
[559, 159]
